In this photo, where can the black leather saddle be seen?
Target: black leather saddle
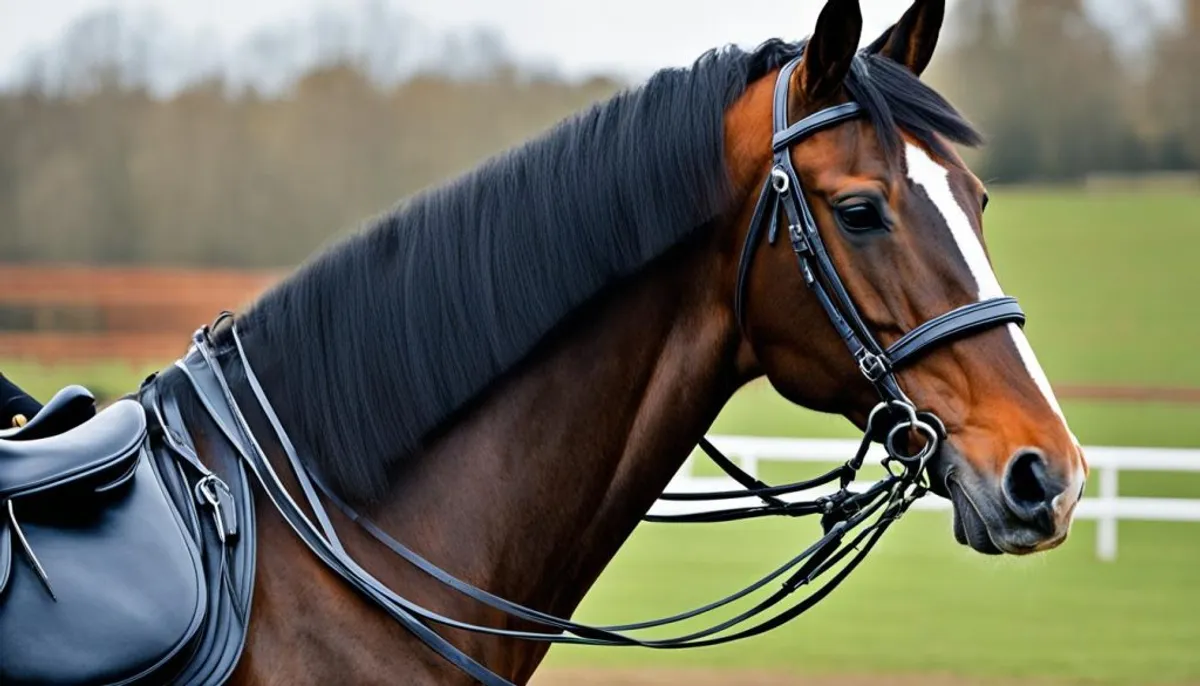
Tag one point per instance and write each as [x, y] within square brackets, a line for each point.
[121, 559]
[94, 453]
[69, 408]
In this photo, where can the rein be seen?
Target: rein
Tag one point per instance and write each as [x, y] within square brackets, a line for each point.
[842, 513]
[852, 522]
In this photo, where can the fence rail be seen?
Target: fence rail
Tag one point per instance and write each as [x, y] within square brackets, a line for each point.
[1107, 508]
[78, 313]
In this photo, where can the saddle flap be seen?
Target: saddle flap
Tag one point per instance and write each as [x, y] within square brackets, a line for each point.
[93, 454]
[106, 590]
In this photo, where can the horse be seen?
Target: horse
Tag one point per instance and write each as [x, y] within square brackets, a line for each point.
[505, 371]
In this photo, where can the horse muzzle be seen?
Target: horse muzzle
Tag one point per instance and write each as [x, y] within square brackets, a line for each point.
[1028, 508]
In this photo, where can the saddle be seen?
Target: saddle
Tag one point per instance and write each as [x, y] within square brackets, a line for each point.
[69, 408]
[121, 556]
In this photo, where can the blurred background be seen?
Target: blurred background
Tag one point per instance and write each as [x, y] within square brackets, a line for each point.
[163, 160]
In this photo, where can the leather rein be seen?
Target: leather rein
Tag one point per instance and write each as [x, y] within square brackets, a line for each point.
[853, 522]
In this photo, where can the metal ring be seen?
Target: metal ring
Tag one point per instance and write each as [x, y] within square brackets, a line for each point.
[887, 405]
[920, 457]
[780, 181]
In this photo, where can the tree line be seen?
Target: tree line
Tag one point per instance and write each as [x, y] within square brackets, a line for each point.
[1058, 98]
[99, 164]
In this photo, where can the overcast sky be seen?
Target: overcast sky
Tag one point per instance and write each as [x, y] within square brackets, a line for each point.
[631, 37]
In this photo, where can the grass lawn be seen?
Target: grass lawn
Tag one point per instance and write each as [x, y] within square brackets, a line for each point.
[1110, 285]
[1106, 282]
[921, 603]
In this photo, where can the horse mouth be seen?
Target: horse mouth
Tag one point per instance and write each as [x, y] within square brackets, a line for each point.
[969, 526]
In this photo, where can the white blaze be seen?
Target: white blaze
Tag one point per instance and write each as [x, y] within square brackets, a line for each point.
[935, 179]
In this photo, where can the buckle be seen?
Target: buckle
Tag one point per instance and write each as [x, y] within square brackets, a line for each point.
[780, 181]
[873, 366]
[214, 493]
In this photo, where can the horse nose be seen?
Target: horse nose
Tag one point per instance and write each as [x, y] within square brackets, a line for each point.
[1030, 489]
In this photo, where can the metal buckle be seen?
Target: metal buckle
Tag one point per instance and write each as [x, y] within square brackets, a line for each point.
[214, 493]
[873, 366]
[796, 233]
[780, 181]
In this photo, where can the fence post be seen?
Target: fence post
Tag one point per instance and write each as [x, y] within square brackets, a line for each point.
[1106, 523]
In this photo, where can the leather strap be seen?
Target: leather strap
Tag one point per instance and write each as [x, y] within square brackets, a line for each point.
[229, 544]
[842, 513]
[826, 118]
[766, 207]
[962, 321]
[885, 501]
[585, 634]
[209, 384]
[783, 189]
[301, 473]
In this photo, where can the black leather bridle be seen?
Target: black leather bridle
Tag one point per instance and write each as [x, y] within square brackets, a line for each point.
[852, 521]
[783, 191]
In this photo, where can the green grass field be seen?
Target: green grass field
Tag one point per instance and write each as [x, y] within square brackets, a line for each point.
[1110, 286]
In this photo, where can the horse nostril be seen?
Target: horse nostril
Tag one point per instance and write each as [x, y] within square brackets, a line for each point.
[1030, 489]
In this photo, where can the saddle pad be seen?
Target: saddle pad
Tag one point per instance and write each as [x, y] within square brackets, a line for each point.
[129, 592]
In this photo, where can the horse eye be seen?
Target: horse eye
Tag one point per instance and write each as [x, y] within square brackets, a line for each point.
[860, 216]
[986, 198]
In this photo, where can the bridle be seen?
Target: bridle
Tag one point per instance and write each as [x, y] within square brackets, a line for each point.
[852, 521]
[783, 191]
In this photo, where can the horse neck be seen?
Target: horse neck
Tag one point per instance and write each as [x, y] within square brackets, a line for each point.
[530, 494]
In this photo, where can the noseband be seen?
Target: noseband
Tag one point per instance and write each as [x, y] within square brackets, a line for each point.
[782, 193]
[852, 521]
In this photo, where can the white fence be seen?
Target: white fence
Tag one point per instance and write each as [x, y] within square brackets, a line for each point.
[1106, 463]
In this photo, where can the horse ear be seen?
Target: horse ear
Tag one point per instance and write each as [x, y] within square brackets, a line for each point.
[830, 51]
[877, 47]
[912, 40]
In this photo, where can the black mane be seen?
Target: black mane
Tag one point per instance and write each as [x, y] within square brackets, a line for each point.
[412, 318]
